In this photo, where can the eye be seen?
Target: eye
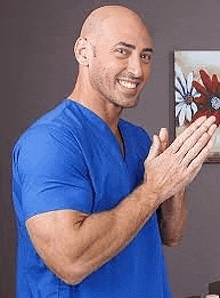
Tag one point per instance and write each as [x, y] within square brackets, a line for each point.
[146, 58]
[121, 52]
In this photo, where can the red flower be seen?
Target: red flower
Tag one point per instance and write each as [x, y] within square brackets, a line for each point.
[209, 100]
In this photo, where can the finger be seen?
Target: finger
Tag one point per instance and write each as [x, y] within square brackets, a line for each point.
[186, 134]
[211, 142]
[201, 157]
[164, 138]
[191, 135]
[198, 140]
[154, 149]
[212, 130]
[201, 143]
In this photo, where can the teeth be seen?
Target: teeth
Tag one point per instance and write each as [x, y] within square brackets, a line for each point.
[127, 84]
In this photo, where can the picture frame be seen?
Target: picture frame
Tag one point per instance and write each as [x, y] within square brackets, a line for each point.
[197, 91]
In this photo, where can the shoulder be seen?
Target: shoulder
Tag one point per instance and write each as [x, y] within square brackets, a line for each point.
[58, 125]
[54, 135]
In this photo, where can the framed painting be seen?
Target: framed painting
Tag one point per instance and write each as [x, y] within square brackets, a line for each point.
[197, 91]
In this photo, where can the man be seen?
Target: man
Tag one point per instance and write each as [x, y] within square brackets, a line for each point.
[85, 198]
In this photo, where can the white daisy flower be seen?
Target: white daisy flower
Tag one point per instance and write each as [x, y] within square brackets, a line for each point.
[184, 96]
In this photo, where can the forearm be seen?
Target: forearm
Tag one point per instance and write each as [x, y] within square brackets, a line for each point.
[173, 217]
[74, 244]
[108, 232]
[101, 236]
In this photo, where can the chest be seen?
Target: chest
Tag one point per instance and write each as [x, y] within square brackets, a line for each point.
[113, 175]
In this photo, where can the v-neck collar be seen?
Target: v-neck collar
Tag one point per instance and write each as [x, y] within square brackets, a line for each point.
[102, 126]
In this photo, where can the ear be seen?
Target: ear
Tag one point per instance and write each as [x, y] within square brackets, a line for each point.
[81, 51]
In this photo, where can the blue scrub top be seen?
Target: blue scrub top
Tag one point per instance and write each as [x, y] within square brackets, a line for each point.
[70, 159]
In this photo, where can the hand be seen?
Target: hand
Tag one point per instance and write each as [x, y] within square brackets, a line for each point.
[172, 170]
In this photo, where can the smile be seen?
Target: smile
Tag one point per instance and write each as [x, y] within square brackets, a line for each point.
[127, 84]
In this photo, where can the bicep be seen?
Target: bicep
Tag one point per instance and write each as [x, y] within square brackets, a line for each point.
[53, 181]
[55, 235]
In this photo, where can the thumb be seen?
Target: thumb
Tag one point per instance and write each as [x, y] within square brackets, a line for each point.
[155, 148]
[164, 138]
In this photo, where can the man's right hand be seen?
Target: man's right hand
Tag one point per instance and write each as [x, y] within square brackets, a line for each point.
[172, 170]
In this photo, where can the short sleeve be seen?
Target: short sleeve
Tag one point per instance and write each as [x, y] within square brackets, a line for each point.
[52, 172]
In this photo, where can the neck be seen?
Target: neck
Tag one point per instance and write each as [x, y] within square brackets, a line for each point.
[107, 111]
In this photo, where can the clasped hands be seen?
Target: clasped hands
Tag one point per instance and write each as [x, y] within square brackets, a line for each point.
[168, 169]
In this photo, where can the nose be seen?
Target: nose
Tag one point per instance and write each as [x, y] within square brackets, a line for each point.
[135, 66]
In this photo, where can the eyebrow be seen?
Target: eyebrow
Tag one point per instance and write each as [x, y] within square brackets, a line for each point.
[128, 45]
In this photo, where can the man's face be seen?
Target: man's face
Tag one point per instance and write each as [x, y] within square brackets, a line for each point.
[121, 62]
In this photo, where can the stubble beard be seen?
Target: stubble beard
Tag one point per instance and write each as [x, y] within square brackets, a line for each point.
[109, 93]
[123, 101]
[126, 104]
[120, 101]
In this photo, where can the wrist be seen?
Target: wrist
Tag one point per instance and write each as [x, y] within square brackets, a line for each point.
[150, 196]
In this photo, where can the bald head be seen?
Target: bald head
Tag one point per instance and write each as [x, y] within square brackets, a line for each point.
[114, 53]
[95, 25]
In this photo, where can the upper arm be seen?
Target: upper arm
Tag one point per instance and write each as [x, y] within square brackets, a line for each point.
[56, 237]
[52, 173]
[51, 182]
